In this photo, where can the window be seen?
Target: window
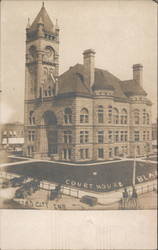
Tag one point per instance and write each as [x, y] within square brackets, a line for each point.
[148, 135]
[144, 135]
[110, 136]
[110, 152]
[84, 116]
[101, 137]
[100, 114]
[100, 153]
[67, 154]
[116, 136]
[49, 91]
[110, 114]
[124, 150]
[10, 133]
[122, 136]
[116, 151]
[84, 153]
[31, 135]
[115, 116]
[136, 117]
[126, 136]
[84, 136]
[124, 116]
[31, 118]
[5, 133]
[144, 116]
[53, 149]
[68, 115]
[136, 135]
[14, 133]
[147, 119]
[30, 150]
[67, 137]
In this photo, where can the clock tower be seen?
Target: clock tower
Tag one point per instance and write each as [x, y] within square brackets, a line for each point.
[41, 72]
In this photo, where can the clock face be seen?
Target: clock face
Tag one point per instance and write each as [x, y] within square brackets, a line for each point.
[49, 52]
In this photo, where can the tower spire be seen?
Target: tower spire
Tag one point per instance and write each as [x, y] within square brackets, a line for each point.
[43, 4]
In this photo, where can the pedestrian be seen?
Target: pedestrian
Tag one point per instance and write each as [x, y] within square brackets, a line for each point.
[125, 197]
[134, 197]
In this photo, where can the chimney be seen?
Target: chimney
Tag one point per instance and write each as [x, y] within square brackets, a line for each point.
[89, 68]
[138, 73]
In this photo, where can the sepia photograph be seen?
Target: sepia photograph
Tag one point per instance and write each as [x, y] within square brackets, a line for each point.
[78, 105]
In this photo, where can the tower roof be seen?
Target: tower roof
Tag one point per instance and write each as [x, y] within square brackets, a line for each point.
[45, 19]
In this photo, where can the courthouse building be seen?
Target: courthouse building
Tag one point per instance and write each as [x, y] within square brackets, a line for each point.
[84, 114]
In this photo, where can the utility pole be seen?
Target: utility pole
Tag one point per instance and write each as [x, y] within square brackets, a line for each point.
[134, 167]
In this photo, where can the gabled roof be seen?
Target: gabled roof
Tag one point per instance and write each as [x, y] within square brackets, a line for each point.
[131, 88]
[72, 81]
[43, 17]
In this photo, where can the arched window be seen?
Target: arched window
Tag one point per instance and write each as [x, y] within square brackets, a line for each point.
[100, 114]
[136, 116]
[84, 116]
[124, 117]
[115, 116]
[68, 115]
[109, 114]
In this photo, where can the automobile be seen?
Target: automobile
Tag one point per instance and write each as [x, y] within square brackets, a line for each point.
[21, 193]
[27, 189]
[31, 186]
[4, 183]
[17, 181]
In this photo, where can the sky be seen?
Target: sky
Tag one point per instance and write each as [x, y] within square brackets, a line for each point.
[122, 33]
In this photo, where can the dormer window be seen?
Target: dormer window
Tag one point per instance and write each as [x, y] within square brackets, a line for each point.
[84, 116]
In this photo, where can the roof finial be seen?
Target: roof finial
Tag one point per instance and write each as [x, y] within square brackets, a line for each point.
[42, 4]
[28, 23]
[56, 24]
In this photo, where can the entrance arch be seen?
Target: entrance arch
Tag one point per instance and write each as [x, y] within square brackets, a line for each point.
[48, 134]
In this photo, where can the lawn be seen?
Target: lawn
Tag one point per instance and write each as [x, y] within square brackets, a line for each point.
[100, 178]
